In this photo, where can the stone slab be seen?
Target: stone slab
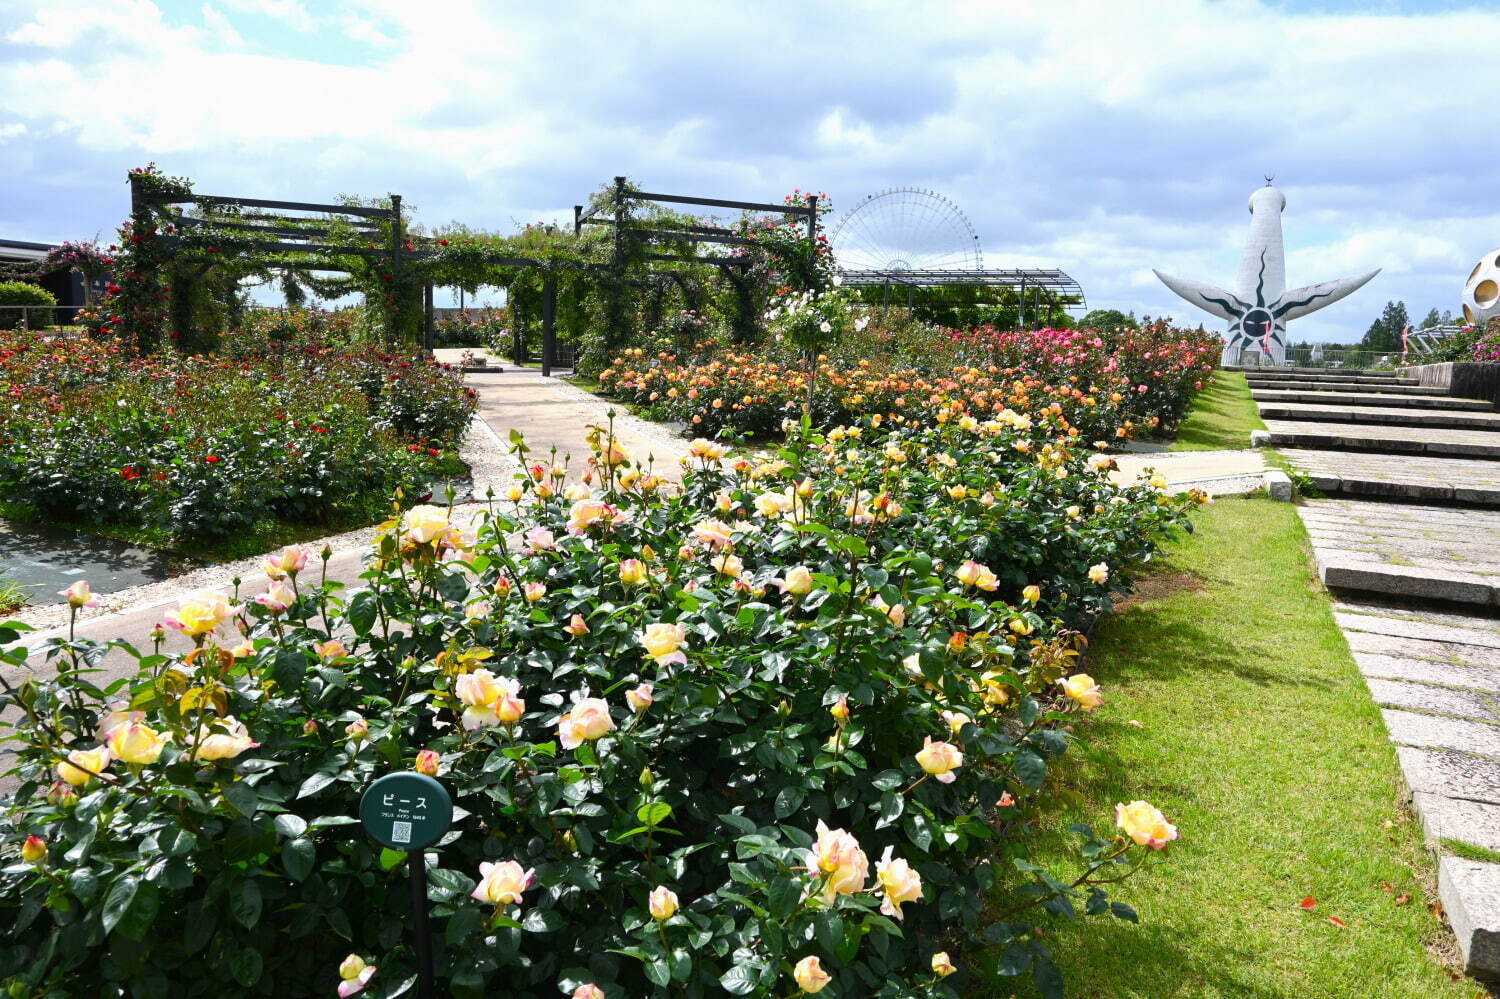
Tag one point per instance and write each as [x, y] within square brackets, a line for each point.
[1407, 477]
[1406, 581]
[1426, 391]
[1417, 629]
[1458, 818]
[1433, 700]
[1409, 728]
[1279, 486]
[1451, 773]
[1470, 893]
[1388, 399]
[1429, 671]
[1383, 439]
[1329, 375]
[1383, 416]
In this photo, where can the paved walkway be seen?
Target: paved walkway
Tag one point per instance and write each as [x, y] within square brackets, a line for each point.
[1409, 538]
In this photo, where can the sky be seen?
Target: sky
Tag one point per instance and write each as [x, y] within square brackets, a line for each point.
[1102, 137]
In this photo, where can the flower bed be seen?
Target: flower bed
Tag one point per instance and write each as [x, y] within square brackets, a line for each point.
[777, 731]
[204, 447]
[1106, 385]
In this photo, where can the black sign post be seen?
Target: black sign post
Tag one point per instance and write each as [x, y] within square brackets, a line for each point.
[410, 812]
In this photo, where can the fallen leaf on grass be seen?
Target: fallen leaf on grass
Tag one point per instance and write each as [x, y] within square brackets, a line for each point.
[1135, 723]
[1309, 903]
[1403, 898]
[1335, 920]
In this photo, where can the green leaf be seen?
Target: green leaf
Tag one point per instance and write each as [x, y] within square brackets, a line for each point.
[741, 980]
[830, 930]
[785, 895]
[291, 826]
[1030, 768]
[313, 785]
[244, 905]
[450, 880]
[289, 669]
[654, 814]
[543, 921]
[462, 925]
[1123, 911]
[390, 858]
[659, 971]
[121, 893]
[241, 797]
[891, 807]
[138, 917]
[362, 612]
[298, 857]
[789, 800]
[246, 966]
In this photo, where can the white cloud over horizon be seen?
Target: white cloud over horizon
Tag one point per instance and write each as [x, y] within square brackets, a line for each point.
[1099, 137]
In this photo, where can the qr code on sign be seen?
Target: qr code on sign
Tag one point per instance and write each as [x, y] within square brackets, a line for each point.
[400, 832]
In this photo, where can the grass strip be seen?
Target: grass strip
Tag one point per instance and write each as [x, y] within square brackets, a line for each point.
[1221, 417]
[1258, 738]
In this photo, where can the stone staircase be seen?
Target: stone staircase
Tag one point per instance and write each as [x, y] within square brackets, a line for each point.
[1408, 540]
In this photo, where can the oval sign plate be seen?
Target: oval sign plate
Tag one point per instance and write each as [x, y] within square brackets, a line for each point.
[406, 811]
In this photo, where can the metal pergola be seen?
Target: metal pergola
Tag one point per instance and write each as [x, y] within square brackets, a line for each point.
[1049, 283]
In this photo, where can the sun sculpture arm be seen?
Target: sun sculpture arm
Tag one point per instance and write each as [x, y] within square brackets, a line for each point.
[1299, 302]
[1213, 300]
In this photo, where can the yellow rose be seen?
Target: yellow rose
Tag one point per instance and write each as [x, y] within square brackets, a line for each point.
[34, 850]
[798, 581]
[1144, 824]
[199, 613]
[972, 573]
[662, 902]
[941, 965]
[226, 744]
[502, 883]
[136, 742]
[424, 524]
[663, 642]
[810, 976]
[1099, 573]
[898, 882]
[836, 856]
[940, 759]
[94, 761]
[588, 720]
[632, 572]
[1032, 593]
[1082, 688]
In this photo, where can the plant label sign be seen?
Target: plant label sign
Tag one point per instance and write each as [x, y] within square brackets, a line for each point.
[406, 811]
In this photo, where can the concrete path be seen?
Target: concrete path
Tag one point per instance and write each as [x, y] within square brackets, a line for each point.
[1410, 539]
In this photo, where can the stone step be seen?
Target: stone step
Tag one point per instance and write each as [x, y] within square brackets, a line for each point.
[1392, 399]
[1432, 441]
[1403, 388]
[1392, 549]
[1436, 676]
[1318, 375]
[1407, 477]
[1385, 416]
[1256, 371]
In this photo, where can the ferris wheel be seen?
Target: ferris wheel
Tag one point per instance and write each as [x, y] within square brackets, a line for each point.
[905, 229]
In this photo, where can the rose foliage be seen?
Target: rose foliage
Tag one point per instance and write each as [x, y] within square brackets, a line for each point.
[1113, 384]
[208, 446]
[786, 726]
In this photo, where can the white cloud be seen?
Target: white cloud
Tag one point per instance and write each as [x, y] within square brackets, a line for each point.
[1100, 137]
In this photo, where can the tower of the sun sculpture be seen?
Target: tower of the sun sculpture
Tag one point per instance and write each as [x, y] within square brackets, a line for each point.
[1260, 306]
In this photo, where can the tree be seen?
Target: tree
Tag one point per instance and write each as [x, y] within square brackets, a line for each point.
[1434, 319]
[1384, 333]
[1108, 320]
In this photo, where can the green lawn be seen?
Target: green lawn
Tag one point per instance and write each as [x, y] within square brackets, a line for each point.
[1221, 417]
[1258, 739]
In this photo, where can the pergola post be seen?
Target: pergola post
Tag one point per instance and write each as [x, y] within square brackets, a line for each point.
[549, 325]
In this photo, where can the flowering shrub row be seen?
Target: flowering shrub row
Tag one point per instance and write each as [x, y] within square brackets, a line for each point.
[1105, 385]
[778, 730]
[207, 446]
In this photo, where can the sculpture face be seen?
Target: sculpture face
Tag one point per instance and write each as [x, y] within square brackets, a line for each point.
[1257, 325]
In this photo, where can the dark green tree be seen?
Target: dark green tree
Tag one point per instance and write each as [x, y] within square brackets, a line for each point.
[1384, 333]
[1108, 320]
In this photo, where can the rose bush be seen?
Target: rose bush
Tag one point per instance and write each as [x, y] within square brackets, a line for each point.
[782, 727]
[1107, 385]
[208, 446]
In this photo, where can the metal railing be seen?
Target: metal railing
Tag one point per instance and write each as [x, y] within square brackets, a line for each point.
[38, 317]
[1322, 357]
